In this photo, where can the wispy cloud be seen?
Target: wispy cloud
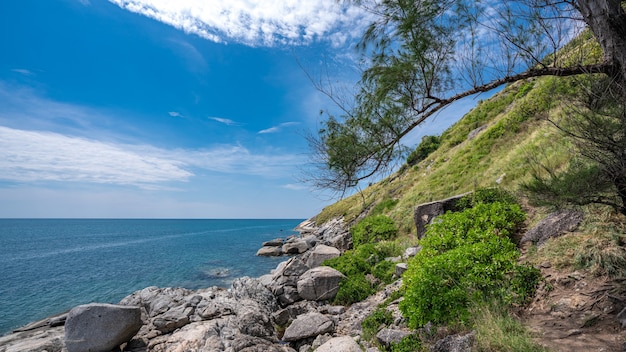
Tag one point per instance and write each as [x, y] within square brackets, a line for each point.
[257, 22]
[278, 128]
[23, 71]
[31, 156]
[228, 122]
[37, 156]
[175, 114]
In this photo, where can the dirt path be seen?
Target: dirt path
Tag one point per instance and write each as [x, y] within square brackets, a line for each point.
[577, 312]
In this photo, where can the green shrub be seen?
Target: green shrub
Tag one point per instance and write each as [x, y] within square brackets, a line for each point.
[384, 271]
[354, 288]
[485, 195]
[466, 257]
[472, 225]
[384, 205]
[428, 145]
[373, 229]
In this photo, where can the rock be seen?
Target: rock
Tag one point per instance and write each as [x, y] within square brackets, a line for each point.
[401, 268]
[621, 318]
[319, 284]
[411, 252]
[100, 327]
[296, 246]
[270, 251]
[335, 233]
[388, 336]
[173, 319]
[277, 242]
[454, 343]
[554, 225]
[425, 213]
[321, 253]
[285, 279]
[475, 132]
[343, 344]
[308, 325]
[283, 316]
[58, 320]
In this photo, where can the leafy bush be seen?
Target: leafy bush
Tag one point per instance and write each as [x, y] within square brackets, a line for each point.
[373, 229]
[485, 195]
[466, 257]
[428, 145]
[354, 288]
[356, 263]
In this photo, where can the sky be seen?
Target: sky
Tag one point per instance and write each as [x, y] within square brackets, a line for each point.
[169, 109]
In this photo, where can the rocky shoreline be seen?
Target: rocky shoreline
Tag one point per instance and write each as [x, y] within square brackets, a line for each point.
[285, 310]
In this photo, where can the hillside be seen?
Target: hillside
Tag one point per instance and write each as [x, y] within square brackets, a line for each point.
[501, 143]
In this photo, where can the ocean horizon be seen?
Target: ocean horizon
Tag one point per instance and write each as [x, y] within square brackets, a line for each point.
[48, 266]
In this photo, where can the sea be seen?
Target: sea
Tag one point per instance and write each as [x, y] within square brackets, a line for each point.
[48, 266]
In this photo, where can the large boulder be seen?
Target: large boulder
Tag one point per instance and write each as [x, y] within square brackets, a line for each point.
[454, 343]
[270, 251]
[295, 246]
[100, 327]
[308, 325]
[283, 283]
[425, 213]
[319, 284]
[321, 253]
[386, 337]
[343, 344]
[554, 225]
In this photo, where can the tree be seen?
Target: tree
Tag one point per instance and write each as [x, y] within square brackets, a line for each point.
[426, 54]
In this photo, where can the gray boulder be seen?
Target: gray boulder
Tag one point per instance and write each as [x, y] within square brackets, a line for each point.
[401, 268]
[321, 253]
[319, 284]
[425, 213]
[296, 246]
[277, 242]
[270, 251]
[388, 336]
[343, 344]
[308, 325]
[411, 252]
[554, 225]
[100, 327]
[454, 343]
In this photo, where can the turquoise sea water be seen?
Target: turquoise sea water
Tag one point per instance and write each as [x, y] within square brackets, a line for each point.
[48, 266]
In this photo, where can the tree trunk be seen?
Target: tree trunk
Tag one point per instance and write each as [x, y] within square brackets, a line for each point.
[607, 20]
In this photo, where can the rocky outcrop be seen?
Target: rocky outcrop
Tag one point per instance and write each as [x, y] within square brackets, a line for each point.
[270, 251]
[100, 327]
[425, 213]
[554, 225]
[320, 253]
[308, 325]
[343, 344]
[319, 284]
[388, 336]
[334, 233]
[454, 343]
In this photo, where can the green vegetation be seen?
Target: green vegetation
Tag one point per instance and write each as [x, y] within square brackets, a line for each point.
[368, 259]
[428, 145]
[467, 257]
[371, 324]
[373, 229]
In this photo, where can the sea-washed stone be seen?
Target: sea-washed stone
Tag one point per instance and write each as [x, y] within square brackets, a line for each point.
[277, 242]
[100, 327]
[270, 251]
[295, 247]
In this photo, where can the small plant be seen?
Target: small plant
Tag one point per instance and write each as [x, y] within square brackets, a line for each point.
[487, 196]
[372, 323]
[410, 343]
[354, 288]
[373, 229]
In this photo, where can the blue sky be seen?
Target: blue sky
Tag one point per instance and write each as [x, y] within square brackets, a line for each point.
[168, 109]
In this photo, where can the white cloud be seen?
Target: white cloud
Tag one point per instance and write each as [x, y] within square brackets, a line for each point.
[278, 128]
[32, 156]
[256, 22]
[228, 122]
[23, 71]
[175, 114]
